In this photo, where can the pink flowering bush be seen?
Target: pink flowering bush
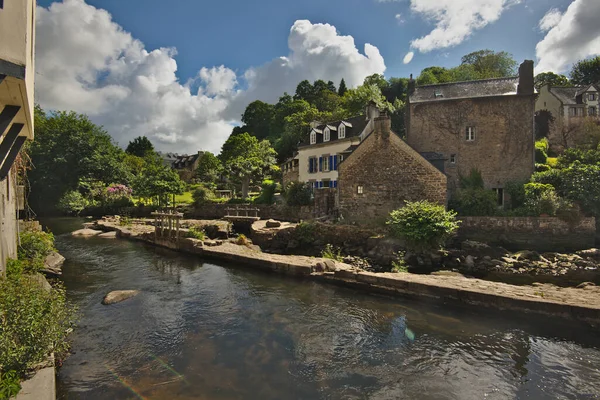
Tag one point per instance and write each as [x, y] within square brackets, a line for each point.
[117, 195]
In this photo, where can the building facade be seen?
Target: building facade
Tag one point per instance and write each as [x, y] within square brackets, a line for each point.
[17, 35]
[186, 165]
[487, 125]
[382, 173]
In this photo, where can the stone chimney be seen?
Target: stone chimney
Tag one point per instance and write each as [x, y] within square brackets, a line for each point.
[383, 125]
[411, 86]
[314, 124]
[371, 111]
[526, 78]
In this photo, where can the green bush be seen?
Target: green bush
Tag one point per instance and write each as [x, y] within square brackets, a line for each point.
[33, 323]
[196, 233]
[202, 195]
[242, 240]
[33, 249]
[333, 253]
[541, 167]
[72, 203]
[541, 199]
[477, 202]
[541, 151]
[472, 181]
[15, 268]
[423, 225]
[10, 384]
[298, 194]
[568, 212]
[516, 191]
[399, 265]
[239, 200]
[305, 233]
[552, 177]
[267, 194]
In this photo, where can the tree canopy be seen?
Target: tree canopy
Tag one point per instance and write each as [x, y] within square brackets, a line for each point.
[552, 79]
[586, 72]
[140, 146]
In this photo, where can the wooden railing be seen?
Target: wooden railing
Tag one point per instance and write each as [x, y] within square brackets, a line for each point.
[167, 224]
[242, 212]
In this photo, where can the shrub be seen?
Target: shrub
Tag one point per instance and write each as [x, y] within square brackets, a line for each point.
[242, 240]
[541, 151]
[33, 249]
[202, 195]
[423, 225]
[541, 199]
[298, 194]
[399, 265]
[541, 167]
[516, 191]
[553, 177]
[472, 181]
[15, 268]
[267, 194]
[568, 212]
[333, 253]
[72, 203]
[10, 384]
[117, 195]
[196, 233]
[239, 200]
[305, 232]
[478, 202]
[33, 323]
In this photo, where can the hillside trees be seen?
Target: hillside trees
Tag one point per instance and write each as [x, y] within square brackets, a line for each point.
[586, 72]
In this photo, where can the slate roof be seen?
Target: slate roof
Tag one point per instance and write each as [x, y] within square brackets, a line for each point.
[568, 95]
[354, 127]
[185, 161]
[461, 90]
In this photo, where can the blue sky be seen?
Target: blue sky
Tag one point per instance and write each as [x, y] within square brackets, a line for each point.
[114, 60]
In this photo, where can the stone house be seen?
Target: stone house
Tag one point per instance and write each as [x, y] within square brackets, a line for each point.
[17, 36]
[568, 107]
[186, 165]
[486, 125]
[382, 173]
[290, 170]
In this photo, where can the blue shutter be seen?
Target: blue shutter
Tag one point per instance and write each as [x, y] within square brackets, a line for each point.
[330, 184]
[310, 165]
[320, 163]
[316, 185]
[331, 163]
[320, 184]
[335, 161]
[334, 184]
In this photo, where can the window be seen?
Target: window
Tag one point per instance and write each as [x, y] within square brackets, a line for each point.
[499, 196]
[313, 137]
[2, 5]
[573, 111]
[326, 135]
[452, 158]
[544, 104]
[470, 134]
[360, 189]
[592, 97]
[342, 131]
[312, 165]
[325, 163]
[591, 111]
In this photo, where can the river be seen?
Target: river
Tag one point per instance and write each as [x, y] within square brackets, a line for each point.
[205, 330]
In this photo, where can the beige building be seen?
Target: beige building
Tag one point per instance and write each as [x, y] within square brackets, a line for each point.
[17, 36]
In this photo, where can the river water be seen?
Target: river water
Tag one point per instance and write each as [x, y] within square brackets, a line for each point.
[202, 330]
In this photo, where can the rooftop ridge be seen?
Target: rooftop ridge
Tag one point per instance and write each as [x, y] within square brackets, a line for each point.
[473, 81]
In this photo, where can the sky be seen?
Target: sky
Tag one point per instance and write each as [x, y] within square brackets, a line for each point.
[182, 72]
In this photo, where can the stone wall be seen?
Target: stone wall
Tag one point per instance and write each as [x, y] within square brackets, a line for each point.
[504, 137]
[277, 211]
[533, 233]
[8, 220]
[381, 174]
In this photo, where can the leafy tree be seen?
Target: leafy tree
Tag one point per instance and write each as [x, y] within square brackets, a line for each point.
[355, 100]
[490, 64]
[377, 80]
[68, 148]
[586, 72]
[298, 194]
[140, 146]
[157, 182]
[72, 203]
[209, 168]
[342, 89]
[396, 89]
[552, 79]
[246, 158]
[257, 119]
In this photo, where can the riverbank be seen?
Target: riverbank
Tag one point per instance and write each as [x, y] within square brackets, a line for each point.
[576, 303]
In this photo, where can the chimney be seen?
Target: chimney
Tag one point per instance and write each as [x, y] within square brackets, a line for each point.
[372, 111]
[383, 124]
[411, 86]
[314, 124]
[526, 78]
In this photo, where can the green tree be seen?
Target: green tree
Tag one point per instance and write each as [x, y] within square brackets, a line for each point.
[246, 158]
[209, 168]
[257, 119]
[157, 182]
[68, 148]
[139, 146]
[586, 72]
[342, 89]
[552, 79]
[491, 64]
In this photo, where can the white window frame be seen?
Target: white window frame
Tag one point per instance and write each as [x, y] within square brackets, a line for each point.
[470, 134]
[452, 159]
[342, 131]
[592, 97]
[360, 189]
[326, 135]
[325, 162]
[313, 137]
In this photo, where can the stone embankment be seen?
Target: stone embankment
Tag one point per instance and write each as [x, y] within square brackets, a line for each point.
[578, 303]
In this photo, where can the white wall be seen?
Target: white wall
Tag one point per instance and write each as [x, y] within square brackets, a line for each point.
[8, 220]
[334, 147]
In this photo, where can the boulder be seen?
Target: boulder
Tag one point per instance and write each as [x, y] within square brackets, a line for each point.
[585, 285]
[528, 255]
[272, 224]
[86, 232]
[118, 296]
[53, 264]
[590, 253]
[479, 250]
[108, 235]
[329, 265]
[470, 261]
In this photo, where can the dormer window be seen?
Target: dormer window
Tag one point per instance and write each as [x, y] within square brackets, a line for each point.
[326, 135]
[313, 137]
[342, 131]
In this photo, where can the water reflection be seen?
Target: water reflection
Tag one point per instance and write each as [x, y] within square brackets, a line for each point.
[202, 331]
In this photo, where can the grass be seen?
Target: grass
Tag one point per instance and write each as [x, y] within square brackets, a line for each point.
[185, 198]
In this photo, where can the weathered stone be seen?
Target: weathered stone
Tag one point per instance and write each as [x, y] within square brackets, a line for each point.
[108, 235]
[478, 249]
[86, 232]
[119, 295]
[470, 261]
[585, 285]
[53, 264]
[590, 253]
[330, 265]
[528, 255]
[319, 267]
[447, 273]
[272, 224]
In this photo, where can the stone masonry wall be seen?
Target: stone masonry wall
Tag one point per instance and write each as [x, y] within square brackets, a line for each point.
[532, 233]
[503, 149]
[389, 172]
[279, 212]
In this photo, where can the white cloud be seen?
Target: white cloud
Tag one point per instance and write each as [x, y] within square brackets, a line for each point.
[576, 36]
[89, 64]
[408, 57]
[399, 18]
[550, 20]
[455, 20]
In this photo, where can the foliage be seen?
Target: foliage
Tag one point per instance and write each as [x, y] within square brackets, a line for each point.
[202, 195]
[158, 181]
[550, 78]
[516, 191]
[298, 194]
[422, 225]
[209, 168]
[305, 232]
[125, 221]
[72, 203]
[239, 200]
[541, 151]
[553, 177]
[541, 199]
[342, 88]
[10, 384]
[399, 265]
[333, 253]
[586, 72]
[544, 121]
[33, 323]
[196, 233]
[568, 212]
[140, 146]
[541, 167]
[474, 202]
[117, 195]
[489, 64]
[472, 181]
[34, 247]
[267, 195]
[242, 240]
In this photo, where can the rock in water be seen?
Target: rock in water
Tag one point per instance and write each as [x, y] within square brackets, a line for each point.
[108, 235]
[272, 224]
[86, 232]
[118, 296]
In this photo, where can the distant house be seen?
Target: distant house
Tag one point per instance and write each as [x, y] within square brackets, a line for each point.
[168, 158]
[290, 170]
[486, 125]
[186, 165]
